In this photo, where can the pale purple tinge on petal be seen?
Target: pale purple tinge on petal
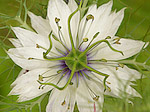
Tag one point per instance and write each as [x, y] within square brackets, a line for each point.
[119, 80]
[84, 96]
[27, 87]
[41, 25]
[21, 56]
[105, 22]
[62, 100]
[59, 9]
[127, 46]
[15, 42]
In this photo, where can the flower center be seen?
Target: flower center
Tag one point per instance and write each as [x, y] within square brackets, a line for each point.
[76, 58]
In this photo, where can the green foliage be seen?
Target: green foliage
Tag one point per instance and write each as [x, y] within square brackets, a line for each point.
[136, 25]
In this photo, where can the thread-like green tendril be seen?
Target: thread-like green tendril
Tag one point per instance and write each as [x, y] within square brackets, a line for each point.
[98, 42]
[69, 26]
[68, 82]
[48, 51]
[100, 73]
[45, 53]
[58, 59]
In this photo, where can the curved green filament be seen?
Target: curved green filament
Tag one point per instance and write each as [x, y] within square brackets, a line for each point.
[58, 59]
[98, 42]
[68, 82]
[44, 54]
[53, 59]
[100, 73]
[69, 26]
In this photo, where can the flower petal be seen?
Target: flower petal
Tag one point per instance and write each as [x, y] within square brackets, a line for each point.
[62, 101]
[105, 22]
[59, 9]
[30, 39]
[119, 80]
[39, 24]
[15, 42]
[27, 87]
[21, 57]
[128, 47]
[85, 96]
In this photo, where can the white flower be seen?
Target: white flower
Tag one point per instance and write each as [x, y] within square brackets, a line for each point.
[75, 59]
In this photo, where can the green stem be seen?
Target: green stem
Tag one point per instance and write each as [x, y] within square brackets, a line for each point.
[68, 82]
[98, 42]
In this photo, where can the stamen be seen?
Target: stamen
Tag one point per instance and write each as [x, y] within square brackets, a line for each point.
[60, 51]
[63, 103]
[103, 60]
[108, 82]
[38, 46]
[68, 106]
[68, 82]
[31, 58]
[92, 94]
[117, 68]
[121, 65]
[71, 83]
[86, 75]
[57, 20]
[40, 78]
[93, 39]
[98, 42]
[96, 98]
[108, 37]
[62, 76]
[100, 73]
[84, 40]
[59, 71]
[90, 16]
[60, 42]
[116, 41]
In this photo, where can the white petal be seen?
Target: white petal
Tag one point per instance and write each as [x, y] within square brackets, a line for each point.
[57, 97]
[30, 39]
[119, 79]
[21, 57]
[27, 87]
[85, 97]
[15, 42]
[59, 9]
[72, 5]
[23, 71]
[128, 47]
[102, 23]
[39, 24]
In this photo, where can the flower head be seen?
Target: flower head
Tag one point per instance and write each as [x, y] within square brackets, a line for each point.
[77, 58]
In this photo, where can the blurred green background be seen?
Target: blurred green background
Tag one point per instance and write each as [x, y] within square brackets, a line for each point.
[136, 25]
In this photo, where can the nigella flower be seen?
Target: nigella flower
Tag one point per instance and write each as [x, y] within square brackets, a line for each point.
[76, 58]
